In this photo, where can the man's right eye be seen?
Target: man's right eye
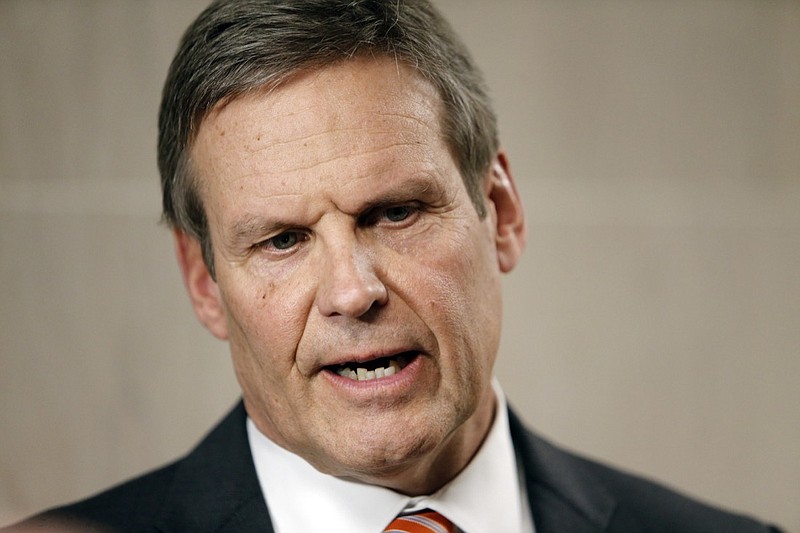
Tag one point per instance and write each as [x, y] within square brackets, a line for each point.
[284, 241]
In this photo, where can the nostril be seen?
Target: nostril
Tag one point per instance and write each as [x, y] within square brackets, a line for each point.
[349, 285]
[356, 301]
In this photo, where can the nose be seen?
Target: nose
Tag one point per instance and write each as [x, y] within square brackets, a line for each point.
[349, 284]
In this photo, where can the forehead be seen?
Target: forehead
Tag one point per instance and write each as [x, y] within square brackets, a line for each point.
[358, 133]
[322, 113]
[327, 136]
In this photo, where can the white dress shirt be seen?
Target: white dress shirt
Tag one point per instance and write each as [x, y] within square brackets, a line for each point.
[486, 497]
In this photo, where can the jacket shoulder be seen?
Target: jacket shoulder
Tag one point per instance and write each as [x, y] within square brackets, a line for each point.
[129, 506]
[601, 497]
[213, 487]
[661, 508]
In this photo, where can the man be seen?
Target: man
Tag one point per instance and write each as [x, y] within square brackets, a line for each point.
[342, 214]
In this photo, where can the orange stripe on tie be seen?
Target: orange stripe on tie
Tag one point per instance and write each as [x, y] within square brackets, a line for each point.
[424, 522]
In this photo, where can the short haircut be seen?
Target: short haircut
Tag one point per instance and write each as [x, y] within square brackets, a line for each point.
[236, 47]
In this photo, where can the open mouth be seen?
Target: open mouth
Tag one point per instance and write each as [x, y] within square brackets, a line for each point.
[375, 369]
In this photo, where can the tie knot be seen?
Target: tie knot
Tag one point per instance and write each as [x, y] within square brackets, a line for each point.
[426, 521]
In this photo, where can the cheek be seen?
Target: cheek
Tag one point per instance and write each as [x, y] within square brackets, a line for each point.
[454, 285]
[265, 321]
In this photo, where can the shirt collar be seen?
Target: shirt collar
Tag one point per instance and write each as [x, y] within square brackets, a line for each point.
[292, 488]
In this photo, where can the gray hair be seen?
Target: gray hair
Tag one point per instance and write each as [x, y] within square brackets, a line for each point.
[239, 46]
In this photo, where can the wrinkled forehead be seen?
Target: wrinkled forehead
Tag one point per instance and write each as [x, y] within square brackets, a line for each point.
[310, 138]
[343, 97]
[396, 68]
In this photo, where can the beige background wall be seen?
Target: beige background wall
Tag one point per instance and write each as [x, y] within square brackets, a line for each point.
[655, 322]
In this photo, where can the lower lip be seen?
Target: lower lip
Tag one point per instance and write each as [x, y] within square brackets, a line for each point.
[390, 385]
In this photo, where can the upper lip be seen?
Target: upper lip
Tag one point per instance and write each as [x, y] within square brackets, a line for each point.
[366, 356]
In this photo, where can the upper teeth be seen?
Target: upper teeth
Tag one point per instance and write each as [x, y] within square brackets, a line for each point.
[362, 374]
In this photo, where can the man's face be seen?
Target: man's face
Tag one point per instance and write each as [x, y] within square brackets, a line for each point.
[346, 248]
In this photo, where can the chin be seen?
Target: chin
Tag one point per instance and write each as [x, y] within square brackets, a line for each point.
[382, 452]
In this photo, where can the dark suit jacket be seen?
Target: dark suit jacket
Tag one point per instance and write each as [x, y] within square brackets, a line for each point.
[215, 488]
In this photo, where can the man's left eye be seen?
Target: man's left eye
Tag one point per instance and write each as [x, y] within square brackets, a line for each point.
[398, 213]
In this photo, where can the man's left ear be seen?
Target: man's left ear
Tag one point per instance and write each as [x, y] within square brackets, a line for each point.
[505, 206]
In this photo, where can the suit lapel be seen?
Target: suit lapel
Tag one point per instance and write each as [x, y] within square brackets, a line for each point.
[215, 487]
[562, 494]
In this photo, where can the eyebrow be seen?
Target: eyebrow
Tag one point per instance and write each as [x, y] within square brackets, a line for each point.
[419, 186]
[250, 226]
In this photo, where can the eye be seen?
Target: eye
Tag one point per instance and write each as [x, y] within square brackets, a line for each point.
[398, 213]
[284, 241]
[392, 216]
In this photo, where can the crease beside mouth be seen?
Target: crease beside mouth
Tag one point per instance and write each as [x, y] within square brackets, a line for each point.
[375, 369]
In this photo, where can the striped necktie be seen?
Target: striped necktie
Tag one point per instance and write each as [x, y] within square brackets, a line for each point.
[426, 521]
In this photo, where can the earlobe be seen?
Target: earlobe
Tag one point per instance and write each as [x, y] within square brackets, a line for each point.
[203, 290]
[509, 213]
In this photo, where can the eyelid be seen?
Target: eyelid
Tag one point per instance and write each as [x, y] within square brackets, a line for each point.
[377, 214]
[268, 243]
